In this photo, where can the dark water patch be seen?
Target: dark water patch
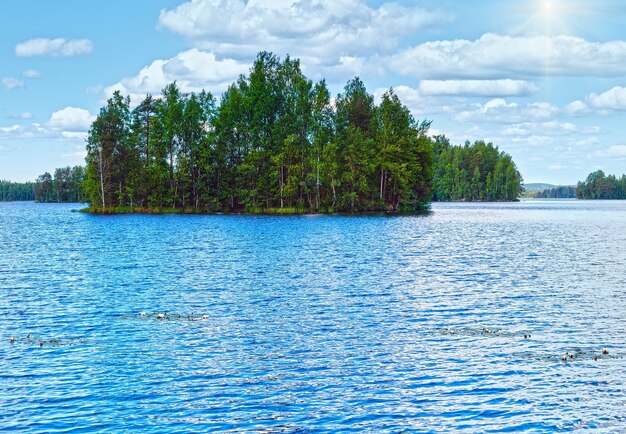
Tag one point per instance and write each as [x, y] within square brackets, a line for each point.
[482, 331]
[570, 356]
[165, 316]
[36, 340]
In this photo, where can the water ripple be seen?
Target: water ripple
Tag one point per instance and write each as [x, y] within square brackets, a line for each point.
[459, 320]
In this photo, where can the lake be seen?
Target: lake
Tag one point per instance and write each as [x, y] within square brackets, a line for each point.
[452, 321]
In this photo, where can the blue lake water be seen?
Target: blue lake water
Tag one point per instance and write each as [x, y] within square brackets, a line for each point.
[315, 323]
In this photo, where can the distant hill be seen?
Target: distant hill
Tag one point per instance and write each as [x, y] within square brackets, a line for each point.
[549, 191]
[539, 187]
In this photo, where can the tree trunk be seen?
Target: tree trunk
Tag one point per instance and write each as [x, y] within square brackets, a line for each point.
[101, 179]
[317, 184]
[281, 176]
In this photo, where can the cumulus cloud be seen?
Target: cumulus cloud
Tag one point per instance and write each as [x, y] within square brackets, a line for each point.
[548, 128]
[480, 88]
[498, 56]
[577, 108]
[24, 131]
[193, 70]
[71, 119]
[618, 151]
[613, 99]
[320, 29]
[418, 103]
[10, 129]
[74, 135]
[425, 100]
[31, 73]
[61, 129]
[53, 47]
[10, 83]
[499, 111]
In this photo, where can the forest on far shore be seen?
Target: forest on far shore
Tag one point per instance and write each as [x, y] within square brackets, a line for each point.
[556, 192]
[600, 186]
[66, 185]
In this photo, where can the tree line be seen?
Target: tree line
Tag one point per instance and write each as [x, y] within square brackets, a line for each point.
[66, 185]
[600, 186]
[559, 192]
[275, 141]
[474, 172]
[14, 191]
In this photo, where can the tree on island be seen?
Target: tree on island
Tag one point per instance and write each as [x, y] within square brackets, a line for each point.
[275, 142]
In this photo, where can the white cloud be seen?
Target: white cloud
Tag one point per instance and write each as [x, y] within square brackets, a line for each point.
[10, 129]
[193, 70]
[74, 135]
[613, 99]
[71, 119]
[321, 29]
[499, 111]
[31, 73]
[549, 128]
[577, 108]
[618, 151]
[62, 130]
[53, 47]
[22, 116]
[481, 88]
[24, 131]
[418, 104]
[498, 56]
[11, 83]
[78, 156]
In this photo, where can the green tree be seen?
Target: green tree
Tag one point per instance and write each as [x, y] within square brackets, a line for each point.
[44, 191]
[355, 123]
[107, 152]
[474, 171]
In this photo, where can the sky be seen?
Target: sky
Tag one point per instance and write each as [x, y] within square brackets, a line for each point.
[544, 80]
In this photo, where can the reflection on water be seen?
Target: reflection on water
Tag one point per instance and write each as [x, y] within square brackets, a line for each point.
[475, 317]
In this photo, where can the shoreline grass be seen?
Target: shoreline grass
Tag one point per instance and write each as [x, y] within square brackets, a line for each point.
[286, 211]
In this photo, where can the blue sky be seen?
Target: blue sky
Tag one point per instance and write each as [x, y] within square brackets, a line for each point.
[544, 80]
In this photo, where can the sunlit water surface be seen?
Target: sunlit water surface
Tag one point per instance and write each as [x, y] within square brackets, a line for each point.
[447, 322]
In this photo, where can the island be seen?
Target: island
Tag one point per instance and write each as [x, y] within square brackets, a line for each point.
[278, 143]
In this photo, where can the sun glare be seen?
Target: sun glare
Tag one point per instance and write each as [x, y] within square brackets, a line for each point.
[550, 8]
[548, 17]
